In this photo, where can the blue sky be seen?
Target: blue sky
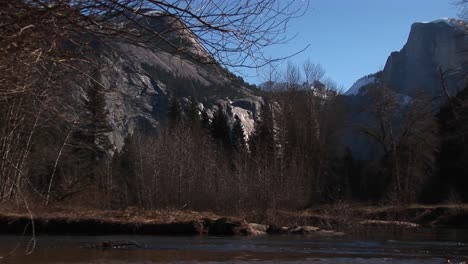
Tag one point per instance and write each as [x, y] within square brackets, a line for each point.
[353, 38]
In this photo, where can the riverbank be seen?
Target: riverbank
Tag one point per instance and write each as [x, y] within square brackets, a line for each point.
[168, 222]
[326, 220]
[352, 216]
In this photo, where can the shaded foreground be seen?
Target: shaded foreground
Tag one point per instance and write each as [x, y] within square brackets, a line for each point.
[147, 223]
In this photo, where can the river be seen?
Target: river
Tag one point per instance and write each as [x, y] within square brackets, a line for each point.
[373, 247]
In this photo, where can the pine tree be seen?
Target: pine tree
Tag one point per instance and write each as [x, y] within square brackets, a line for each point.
[205, 121]
[90, 139]
[174, 112]
[192, 115]
[220, 130]
[97, 114]
[124, 173]
[263, 136]
[238, 135]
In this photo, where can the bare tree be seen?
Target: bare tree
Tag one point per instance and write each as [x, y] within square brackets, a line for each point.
[312, 72]
[463, 7]
[270, 75]
[406, 133]
[233, 33]
[330, 84]
[44, 42]
[292, 76]
[384, 111]
[308, 124]
[417, 145]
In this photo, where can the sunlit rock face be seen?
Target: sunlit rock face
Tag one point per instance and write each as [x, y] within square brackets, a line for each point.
[138, 81]
[247, 110]
[441, 44]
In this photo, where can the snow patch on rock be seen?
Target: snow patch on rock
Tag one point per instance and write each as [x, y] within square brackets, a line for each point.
[450, 22]
[354, 90]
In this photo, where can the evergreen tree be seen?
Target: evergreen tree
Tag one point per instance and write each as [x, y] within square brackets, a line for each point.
[205, 121]
[192, 114]
[90, 139]
[123, 165]
[263, 136]
[220, 130]
[452, 178]
[97, 124]
[174, 112]
[238, 135]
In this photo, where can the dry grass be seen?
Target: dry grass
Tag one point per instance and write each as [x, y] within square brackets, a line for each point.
[341, 215]
[130, 215]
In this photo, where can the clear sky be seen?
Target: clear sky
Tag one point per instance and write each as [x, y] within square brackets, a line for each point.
[353, 38]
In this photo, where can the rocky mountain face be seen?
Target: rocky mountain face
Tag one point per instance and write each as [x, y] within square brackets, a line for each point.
[138, 80]
[432, 47]
[442, 44]
[434, 50]
[364, 81]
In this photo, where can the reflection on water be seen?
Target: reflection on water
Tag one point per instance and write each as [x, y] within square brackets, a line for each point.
[422, 247]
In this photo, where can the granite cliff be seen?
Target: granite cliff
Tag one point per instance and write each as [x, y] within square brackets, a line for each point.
[138, 78]
[432, 47]
[441, 44]
[435, 51]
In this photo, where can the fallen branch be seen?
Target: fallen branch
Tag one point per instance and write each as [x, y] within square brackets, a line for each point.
[389, 223]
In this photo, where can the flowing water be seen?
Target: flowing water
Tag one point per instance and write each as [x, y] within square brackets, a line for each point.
[447, 246]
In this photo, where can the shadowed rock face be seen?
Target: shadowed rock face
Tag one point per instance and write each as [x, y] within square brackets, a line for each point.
[415, 68]
[430, 46]
[442, 43]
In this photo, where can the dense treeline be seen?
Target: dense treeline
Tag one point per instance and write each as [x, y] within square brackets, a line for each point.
[198, 159]
[54, 137]
[451, 180]
[405, 133]
[208, 164]
[295, 158]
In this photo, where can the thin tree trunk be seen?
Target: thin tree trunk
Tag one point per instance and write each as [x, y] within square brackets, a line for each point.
[55, 166]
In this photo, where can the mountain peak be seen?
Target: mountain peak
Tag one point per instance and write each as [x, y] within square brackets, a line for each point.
[453, 22]
[431, 46]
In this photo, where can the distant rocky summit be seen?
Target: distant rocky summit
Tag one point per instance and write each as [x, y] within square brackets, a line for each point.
[436, 47]
[435, 56]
